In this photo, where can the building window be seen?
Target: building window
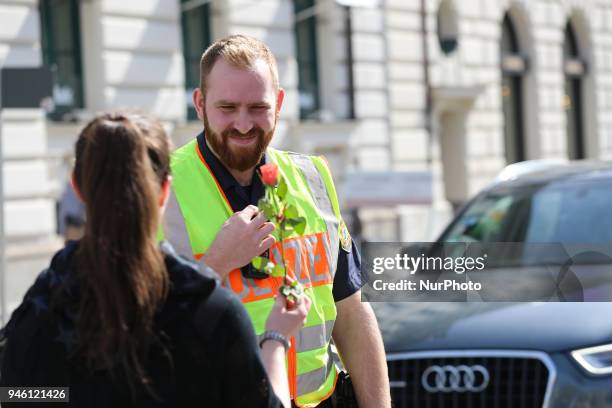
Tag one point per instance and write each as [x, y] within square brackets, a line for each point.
[448, 30]
[514, 67]
[574, 70]
[195, 23]
[307, 61]
[61, 48]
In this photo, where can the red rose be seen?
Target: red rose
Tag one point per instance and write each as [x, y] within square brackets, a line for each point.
[269, 174]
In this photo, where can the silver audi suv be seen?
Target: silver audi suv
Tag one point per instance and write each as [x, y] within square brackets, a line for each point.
[513, 354]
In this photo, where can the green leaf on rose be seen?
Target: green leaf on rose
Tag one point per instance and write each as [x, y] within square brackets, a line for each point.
[300, 227]
[259, 262]
[278, 271]
[291, 212]
[295, 221]
[281, 190]
[297, 224]
[266, 208]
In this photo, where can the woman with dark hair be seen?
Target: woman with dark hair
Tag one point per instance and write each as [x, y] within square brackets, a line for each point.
[122, 320]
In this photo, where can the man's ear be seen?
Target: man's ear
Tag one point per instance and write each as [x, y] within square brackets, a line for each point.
[75, 187]
[198, 102]
[280, 97]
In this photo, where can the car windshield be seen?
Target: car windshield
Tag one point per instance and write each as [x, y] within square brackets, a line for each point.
[576, 212]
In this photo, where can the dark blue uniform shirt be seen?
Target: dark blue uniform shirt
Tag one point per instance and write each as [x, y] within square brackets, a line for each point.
[348, 276]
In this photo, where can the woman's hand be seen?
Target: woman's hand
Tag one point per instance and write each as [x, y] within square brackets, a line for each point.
[288, 322]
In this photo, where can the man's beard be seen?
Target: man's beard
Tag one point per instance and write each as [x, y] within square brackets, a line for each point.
[236, 157]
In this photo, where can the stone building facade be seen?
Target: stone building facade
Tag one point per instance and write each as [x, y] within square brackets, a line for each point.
[455, 88]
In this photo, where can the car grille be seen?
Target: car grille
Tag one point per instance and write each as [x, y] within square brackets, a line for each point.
[514, 382]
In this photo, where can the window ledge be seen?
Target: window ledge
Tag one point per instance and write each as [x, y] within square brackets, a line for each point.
[313, 135]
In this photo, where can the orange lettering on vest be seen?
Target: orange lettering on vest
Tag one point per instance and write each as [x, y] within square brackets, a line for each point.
[306, 261]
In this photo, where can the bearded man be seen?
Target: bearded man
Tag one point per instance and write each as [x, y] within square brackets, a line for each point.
[212, 216]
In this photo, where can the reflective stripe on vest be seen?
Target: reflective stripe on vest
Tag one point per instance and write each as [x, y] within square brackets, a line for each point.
[199, 207]
[175, 228]
[313, 337]
[310, 381]
[321, 198]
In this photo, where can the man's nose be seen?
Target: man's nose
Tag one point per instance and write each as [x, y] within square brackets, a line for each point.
[243, 122]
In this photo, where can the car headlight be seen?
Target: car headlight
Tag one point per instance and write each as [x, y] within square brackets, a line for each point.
[596, 360]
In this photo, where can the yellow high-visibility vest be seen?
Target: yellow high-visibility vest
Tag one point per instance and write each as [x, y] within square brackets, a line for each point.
[197, 209]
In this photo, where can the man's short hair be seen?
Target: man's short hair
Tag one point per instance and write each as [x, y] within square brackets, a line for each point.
[240, 51]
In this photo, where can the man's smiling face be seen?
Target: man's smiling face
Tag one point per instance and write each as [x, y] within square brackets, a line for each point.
[240, 111]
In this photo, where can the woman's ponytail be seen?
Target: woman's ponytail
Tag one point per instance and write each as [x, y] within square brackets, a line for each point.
[122, 162]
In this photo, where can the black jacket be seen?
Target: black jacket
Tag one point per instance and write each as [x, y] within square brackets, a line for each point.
[213, 348]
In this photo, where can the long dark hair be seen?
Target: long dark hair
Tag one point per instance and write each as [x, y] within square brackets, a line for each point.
[122, 160]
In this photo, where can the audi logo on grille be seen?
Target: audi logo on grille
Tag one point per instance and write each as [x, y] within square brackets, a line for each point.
[459, 378]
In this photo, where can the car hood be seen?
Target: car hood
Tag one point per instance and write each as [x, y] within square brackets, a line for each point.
[531, 326]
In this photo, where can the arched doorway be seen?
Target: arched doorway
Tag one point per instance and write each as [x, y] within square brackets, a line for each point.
[513, 69]
[574, 70]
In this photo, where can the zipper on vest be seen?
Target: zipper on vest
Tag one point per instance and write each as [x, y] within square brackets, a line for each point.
[292, 368]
